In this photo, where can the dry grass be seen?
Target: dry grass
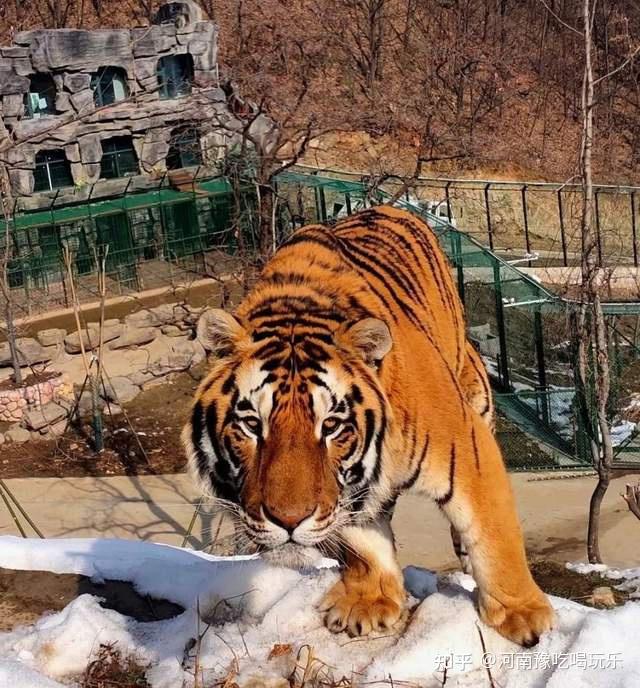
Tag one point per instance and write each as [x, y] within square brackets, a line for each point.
[111, 670]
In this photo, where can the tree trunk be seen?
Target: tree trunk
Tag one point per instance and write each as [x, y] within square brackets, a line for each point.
[11, 336]
[592, 330]
[266, 207]
[593, 535]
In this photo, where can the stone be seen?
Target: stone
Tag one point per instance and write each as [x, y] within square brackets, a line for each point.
[120, 390]
[15, 51]
[72, 152]
[57, 429]
[154, 153]
[181, 355]
[149, 41]
[149, 317]
[13, 105]
[111, 322]
[141, 377]
[172, 331]
[78, 49]
[51, 336]
[90, 149]
[18, 154]
[198, 47]
[11, 82]
[92, 172]
[134, 336]
[17, 435]
[63, 102]
[89, 341]
[21, 182]
[91, 338]
[603, 597]
[111, 332]
[23, 67]
[77, 81]
[30, 352]
[45, 415]
[154, 382]
[146, 68]
[83, 101]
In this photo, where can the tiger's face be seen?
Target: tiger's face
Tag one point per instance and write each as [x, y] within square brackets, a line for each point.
[287, 431]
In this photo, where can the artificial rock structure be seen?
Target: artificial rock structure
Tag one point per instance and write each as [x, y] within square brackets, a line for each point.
[80, 110]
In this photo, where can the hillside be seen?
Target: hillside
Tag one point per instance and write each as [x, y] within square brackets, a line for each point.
[466, 87]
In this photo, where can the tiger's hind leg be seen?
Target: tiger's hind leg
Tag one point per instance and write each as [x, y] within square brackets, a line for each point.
[467, 478]
[475, 385]
[461, 551]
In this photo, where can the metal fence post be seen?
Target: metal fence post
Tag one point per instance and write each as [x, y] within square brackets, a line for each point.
[488, 214]
[456, 250]
[347, 200]
[323, 204]
[563, 238]
[503, 363]
[525, 217]
[448, 198]
[542, 373]
[632, 197]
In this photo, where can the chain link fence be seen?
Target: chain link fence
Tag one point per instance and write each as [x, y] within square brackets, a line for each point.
[164, 237]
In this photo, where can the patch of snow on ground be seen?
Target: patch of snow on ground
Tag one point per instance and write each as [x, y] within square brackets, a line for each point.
[629, 579]
[621, 431]
[255, 607]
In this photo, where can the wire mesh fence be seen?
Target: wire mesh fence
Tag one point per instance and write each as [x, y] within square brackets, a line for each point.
[165, 236]
[155, 239]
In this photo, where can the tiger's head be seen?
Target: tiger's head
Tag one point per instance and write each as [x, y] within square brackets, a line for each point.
[287, 429]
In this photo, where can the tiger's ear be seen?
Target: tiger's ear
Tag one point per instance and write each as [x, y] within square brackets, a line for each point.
[371, 338]
[218, 331]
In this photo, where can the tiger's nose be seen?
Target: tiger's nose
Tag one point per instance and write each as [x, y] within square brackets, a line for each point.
[288, 518]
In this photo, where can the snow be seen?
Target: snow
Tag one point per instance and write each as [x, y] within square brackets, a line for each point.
[253, 607]
[629, 579]
[622, 431]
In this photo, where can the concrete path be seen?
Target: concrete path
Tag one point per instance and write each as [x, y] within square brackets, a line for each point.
[159, 508]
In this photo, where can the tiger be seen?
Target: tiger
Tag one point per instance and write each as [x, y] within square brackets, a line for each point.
[342, 380]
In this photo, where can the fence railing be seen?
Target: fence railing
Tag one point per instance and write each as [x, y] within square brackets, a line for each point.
[538, 222]
[519, 327]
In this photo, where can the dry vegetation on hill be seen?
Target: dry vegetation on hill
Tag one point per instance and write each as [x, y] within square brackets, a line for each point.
[461, 85]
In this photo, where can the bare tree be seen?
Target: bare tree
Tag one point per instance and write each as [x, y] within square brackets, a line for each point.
[361, 34]
[5, 284]
[593, 372]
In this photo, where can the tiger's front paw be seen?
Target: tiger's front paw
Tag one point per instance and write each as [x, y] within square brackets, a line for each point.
[363, 606]
[522, 623]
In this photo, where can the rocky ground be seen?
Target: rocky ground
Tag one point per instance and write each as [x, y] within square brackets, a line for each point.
[151, 363]
[142, 437]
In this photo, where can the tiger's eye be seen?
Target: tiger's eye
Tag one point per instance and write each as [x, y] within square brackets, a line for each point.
[252, 423]
[329, 425]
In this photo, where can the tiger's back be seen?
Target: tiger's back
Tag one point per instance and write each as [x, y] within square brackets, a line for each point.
[385, 263]
[345, 378]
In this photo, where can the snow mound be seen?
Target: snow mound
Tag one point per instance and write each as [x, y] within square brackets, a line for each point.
[260, 627]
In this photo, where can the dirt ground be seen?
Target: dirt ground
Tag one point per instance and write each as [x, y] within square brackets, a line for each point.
[144, 440]
[26, 595]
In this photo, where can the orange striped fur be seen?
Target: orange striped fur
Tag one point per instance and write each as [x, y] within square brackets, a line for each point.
[343, 379]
